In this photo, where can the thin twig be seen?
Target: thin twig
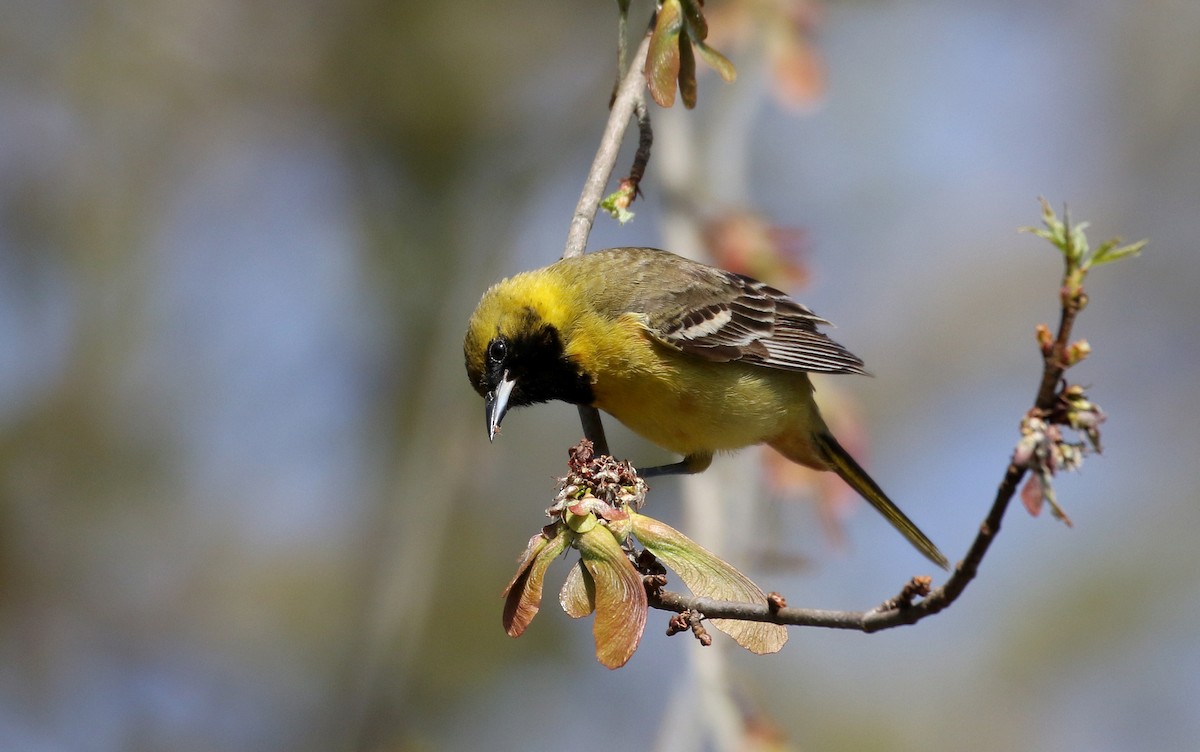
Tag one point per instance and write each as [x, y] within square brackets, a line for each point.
[645, 141]
[630, 98]
[593, 428]
[1054, 366]
[622, 47]
[1051, 378]
[631, 91]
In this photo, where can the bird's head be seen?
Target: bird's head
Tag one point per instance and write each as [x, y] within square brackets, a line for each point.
[515, 348]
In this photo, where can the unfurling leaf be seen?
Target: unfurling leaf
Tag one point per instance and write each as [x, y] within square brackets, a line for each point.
[1073, 242]
[695, 19]
[578, 594]
[523, 596]
[662, 62]
[617, 203]
[717, 62]
[620, 597]
[1110, 251]
[687, 72]
[708, 576]
[1055, 230]
[1031, 495]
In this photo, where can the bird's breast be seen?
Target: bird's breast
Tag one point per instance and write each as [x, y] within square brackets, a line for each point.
[687, 405]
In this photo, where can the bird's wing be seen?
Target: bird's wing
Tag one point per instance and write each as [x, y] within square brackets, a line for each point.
[722, 316]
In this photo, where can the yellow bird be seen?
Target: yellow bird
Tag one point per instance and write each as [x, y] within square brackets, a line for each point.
[694, 358]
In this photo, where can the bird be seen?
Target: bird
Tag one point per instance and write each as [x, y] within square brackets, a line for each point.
[694, 358]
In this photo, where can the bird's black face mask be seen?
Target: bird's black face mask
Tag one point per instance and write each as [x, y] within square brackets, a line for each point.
[530, 368]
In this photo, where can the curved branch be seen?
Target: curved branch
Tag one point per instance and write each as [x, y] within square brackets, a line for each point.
[902, 611]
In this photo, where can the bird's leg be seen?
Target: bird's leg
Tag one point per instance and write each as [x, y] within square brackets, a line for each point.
[689, 465]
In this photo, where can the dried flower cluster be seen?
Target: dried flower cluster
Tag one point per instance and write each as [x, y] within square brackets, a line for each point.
[595, 513]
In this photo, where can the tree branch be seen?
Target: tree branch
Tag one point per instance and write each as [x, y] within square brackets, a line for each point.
[628, 100]
[902, 611]
[630, 93]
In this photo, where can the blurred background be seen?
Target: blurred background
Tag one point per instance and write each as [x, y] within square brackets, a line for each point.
[246, 499]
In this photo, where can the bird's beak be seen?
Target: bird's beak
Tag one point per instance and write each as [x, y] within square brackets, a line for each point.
[496, 404]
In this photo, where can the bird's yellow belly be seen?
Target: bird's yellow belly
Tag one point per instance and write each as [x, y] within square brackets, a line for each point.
[716, 406]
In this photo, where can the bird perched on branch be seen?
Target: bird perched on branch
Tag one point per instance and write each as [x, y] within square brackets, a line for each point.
[694, 358]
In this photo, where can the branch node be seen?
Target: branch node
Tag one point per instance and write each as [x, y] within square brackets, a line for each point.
[654, 583]
[695, 619]
[654, 574]
[689, 619]
[917, 587]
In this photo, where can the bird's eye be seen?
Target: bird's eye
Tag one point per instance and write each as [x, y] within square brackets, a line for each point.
[497, 351]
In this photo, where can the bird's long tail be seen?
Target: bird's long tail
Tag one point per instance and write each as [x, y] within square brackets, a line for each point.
[840, 461]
